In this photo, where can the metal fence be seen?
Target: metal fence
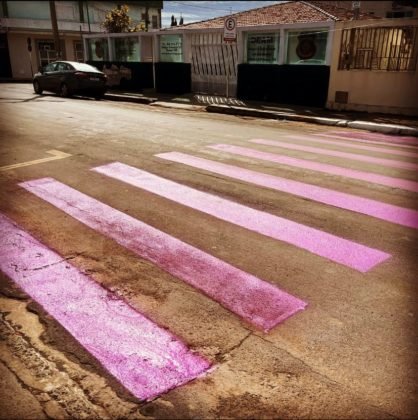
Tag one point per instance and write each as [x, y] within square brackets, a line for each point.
[383, 48]
[214, 64]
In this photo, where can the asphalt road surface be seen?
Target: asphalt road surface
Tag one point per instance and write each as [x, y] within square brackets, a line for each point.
[167, 263]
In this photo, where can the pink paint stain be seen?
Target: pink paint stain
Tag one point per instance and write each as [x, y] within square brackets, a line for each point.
[387, 138]
[319, 167]
[356, 146]
[365, 141]
[256, 301]
[146, 359]
[369, 159]
[342, 251]
[394, 214]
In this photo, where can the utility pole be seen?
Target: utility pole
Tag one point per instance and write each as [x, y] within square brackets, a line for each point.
[146, 17]
[55, 29]
[88, 15]
[356, 9]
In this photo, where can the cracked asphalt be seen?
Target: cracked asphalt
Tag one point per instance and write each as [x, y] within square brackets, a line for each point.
[352, 353]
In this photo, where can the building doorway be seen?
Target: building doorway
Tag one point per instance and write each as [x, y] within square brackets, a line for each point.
[5, 66]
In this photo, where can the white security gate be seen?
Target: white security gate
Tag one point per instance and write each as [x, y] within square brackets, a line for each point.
[214, 64]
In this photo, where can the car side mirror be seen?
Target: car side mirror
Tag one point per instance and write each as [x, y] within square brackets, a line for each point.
[41, 69]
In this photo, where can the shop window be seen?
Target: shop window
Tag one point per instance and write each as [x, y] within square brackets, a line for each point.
[126, 49]
[307, 47]
[98, 49]
[262, 48]
[171, 48]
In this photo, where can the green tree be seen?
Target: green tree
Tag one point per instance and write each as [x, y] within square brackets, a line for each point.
[117, 20]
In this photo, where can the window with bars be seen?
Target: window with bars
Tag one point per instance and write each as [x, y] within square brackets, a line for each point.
[383, 48]
[78, 51]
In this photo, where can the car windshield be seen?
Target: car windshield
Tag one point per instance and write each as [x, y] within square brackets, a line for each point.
[85, 67]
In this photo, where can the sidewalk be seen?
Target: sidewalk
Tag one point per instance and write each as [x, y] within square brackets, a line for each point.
[382, 123]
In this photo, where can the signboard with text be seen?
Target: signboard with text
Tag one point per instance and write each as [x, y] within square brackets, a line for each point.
[171, 48]
[262, 48]
[230, 30]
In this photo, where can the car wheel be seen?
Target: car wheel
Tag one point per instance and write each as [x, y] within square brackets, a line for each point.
[64, 91]
[37, 87]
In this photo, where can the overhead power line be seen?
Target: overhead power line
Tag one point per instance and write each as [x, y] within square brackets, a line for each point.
[189, 4]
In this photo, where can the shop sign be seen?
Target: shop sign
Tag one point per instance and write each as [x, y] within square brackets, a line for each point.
[262, 48]
[171, 48]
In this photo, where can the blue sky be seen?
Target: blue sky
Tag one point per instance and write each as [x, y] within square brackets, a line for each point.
[195, 11]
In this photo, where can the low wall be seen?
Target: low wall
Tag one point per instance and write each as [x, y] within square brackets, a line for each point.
[392, 92]
[286, 84]
[134, 77]
[173, 77]
[387, 92]
[128, 76]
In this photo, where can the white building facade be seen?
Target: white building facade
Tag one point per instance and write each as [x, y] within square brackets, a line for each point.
[26, 25]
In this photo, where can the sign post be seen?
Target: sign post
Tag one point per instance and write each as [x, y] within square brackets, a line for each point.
[29, 41]
[230, 36]
[356, 9]
[230, 30]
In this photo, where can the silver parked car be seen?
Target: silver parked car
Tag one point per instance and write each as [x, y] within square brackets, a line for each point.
[70, 78]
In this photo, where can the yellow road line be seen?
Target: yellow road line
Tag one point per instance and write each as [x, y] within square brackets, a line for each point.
[56, 155]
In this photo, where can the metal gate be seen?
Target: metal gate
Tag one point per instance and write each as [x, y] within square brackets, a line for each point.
[214, 64]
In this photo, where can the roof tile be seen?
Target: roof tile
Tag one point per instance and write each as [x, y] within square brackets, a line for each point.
[282, 13]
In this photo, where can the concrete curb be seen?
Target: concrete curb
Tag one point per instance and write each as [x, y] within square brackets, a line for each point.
[178, 106]
[129, 98]
[258, 113]
[384, 128]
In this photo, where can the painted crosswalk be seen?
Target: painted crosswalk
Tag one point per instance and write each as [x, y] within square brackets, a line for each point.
[390, 163]
[384, 138]
[146, 359]
[256, 301]
[356, 140]
[384, 150]
[384, 211]
[334, 248]
[326, 168]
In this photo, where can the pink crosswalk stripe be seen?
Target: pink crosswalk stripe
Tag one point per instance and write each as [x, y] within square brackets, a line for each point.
[256, 301]
[146, 359]
[355, 146]
[387, 138]
[367, 141]
[383, 211]
[342, 251]
[353, 156]
[319, 167]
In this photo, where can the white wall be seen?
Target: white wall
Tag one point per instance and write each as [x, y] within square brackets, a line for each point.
[373, 90]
